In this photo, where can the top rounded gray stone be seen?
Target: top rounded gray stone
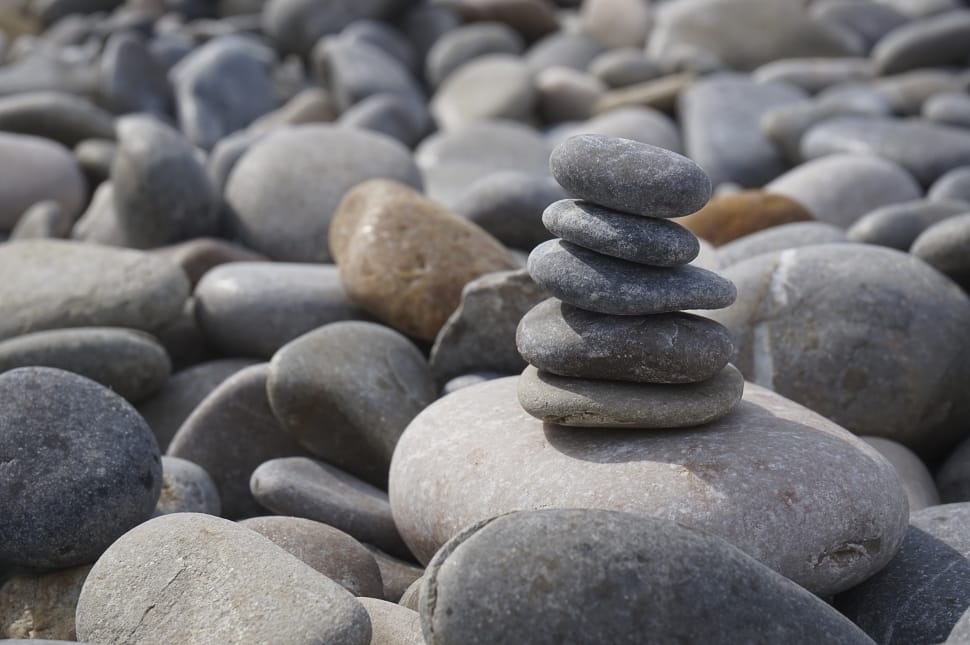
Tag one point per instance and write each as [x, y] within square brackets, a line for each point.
[630, 176]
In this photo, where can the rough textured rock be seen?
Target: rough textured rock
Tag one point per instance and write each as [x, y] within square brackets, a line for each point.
[174, 402]
[41, 605]
[36, 170]
[663, 348]
[602, 170]
[588, 403]
[480, 334]
[312, 489]
[132, 363]
[207, 578]
[922, 593]
[729, 217]
[80, 467]
[611, 577]
[913, 475]
[232, 432]
[186, 488]
[841, 188]
[286, 188]
[253, 309]
[607, 285]
[815, 324]
[652, 241]
[405, 258]
[106, 287]
[328, 550]
[476, 453]
[347, 390]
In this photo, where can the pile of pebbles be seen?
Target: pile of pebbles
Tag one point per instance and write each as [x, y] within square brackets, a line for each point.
[621, 276]
[485, 321]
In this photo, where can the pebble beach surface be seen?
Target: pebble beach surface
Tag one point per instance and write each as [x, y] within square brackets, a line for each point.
[460, 322]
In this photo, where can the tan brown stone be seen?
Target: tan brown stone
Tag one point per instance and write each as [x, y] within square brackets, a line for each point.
[728, 217]
[41, 605]
[405, 258]
[659, 94]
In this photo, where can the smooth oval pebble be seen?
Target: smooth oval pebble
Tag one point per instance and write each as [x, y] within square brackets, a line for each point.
[629, 176]
[328, 550]
[230, 433]
[60, 116]
[495, 86]
[898, 225]
[655, 242]
[37, 169]
[611, 577]
[663, 348]
[945, 246]
[779, 238]
[186, 488]
[913, 474]
[607, 285]
[393, 624]
[476, 453]
[318, 491]
[346, 391]
[192, 577]
[79, 468]
[589, 403]
[130, 362]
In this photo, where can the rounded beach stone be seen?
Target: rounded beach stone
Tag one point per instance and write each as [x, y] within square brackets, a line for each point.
[841, 188]
[913, 475]
[232, 432]
[589, 403]
[936, 41]
[328, 550]
[131, 78]
[954, 185]
[664, 348]
[286, 188]
[80, 467]
[567, 94]
[779, 238]
[318, 491]
[183, 392]
[393, 624]
[607, 285]
[254, 308]
[216, 582]
[162, 193]
[496, 86]
[950, 108]
[611, 577]
[629, 176]
[41, 605]
[396, 575]
[509, 205]
[36, 170]
[186, 488]
[898, 225]
[945, 246]
[405, 258]
[198, 255]
[651, 241]
[729, 217]
[920, 596]
[480, 334]
[801, 328]
[634, 122]
[460, 46]
[66, 118]
[296, 25]
[106, 287]
[44, 219]
[476, 454]
[953, 477]
[130, 362]
[815, 74]
[347, 390]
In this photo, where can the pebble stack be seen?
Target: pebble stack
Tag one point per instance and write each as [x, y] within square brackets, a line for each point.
[613, 348]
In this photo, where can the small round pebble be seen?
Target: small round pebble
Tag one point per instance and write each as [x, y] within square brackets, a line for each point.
[186, 488]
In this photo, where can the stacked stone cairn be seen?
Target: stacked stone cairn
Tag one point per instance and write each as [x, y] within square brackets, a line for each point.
[613, 347]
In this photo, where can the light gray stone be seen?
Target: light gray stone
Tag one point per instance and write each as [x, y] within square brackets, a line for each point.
[936, 41]
[197, 576]
[476, 454]
[945, 246]
[43, 220]
[779, 238]
[913, 475]
[815, 324]
[105, 287]
[611, 577]
[480, 334]
[355, 70]
[948, 108]
[297, 25]
[815, 74]
[624, 66]
[37, 170]
[66, 118]
[393, 624]
[953, 185]
[460, 46]
[496, 86]
[841, 188]
[186, 488]
[396, 575]
[635, 122]
[898, 225]
[132, 79]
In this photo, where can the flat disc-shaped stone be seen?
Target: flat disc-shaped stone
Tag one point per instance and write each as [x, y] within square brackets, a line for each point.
[630, 176]
[644, 240]
[610, 286]
[663, 348]
[592, 403]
